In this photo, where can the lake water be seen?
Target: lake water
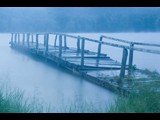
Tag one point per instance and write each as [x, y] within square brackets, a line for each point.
[53, 85]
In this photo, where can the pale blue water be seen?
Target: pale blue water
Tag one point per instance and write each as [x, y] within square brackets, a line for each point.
[59, 88]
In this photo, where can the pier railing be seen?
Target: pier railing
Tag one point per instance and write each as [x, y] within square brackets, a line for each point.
[61, 37]
[132, 48]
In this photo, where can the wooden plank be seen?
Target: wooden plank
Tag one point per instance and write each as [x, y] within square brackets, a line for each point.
[82, 51]
[123, 66]
[60, 45]
[116, 39]
[130, 59]
[147, 44]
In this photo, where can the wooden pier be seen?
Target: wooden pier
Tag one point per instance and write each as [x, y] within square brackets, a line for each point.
[94, 66]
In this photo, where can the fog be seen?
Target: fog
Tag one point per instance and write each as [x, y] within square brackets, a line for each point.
[80, 19]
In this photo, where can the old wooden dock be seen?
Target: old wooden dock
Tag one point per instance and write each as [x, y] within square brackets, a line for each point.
[94, 66]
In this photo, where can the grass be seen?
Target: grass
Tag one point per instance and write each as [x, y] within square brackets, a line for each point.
[145, 100]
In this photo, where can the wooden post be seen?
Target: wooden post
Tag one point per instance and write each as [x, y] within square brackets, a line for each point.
[82, 51]
[23, 39]
[130, 59]
[36, 41]
[55, 41]
[123, 66]
[47, 38]
[18, 38]
[65, 42]
[99, 47]
[44, 40]
[28, 35]
[12, 40]
[78, 44]
[60, 45]
[15, 38]
[32, 38]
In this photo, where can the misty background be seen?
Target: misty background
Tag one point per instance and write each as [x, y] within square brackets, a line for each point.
[79, 19]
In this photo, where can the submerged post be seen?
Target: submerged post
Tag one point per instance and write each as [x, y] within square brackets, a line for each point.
[23, 39]
[28, 35]
[55, 41]
[36, 41]
[44, 43]
[32, 38]
[130, 67]
[65, 42]
[60, 45]
[47, 38]
[123, 66]
[12, 40]
[99, 47]
[15, 38]
[78, 44]
[18, 38]
[82, 51]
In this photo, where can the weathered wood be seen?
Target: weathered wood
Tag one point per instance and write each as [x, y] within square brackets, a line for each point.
[32, 38]
[78, 44]
[123, 66]
[28, 35]
[82, 51]
[15, 38]
[55, 41]
[130, 59]
[18, 38]
[116, 39]
[12, 40]
[99, 47]
[44, 40]
[36, 41]
[60, 45]
[23, 40]
[47, 38]
[65, 41]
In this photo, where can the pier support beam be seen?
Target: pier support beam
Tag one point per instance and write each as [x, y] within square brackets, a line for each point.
[15, 38]
[123, 66]
[65, 42]
[130, 69]
[78, 44]
[55, 41]
[82, 51]
[99, 47]
[12, 40]
[46, 43]
[36, 41]
[32, 38]
[18, 38]
[28, 35]
[23, 40]
[60, 45]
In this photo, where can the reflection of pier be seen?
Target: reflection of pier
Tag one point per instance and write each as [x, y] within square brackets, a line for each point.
[94, 66]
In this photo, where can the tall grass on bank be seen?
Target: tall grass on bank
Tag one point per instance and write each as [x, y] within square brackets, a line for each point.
[147, 100]
[13, 101]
